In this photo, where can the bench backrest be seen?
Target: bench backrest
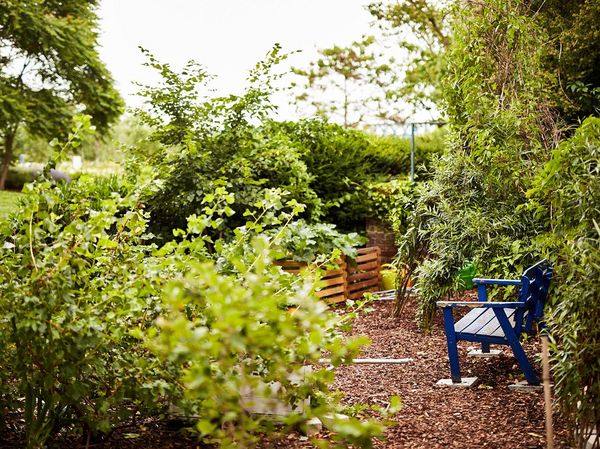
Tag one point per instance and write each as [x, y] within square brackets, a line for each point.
[534, 291]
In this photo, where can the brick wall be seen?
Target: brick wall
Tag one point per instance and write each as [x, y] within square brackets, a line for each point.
[382, 236]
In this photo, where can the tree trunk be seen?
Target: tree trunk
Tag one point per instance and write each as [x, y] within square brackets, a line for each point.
[9, 139]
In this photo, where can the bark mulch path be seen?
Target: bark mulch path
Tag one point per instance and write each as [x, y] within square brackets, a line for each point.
[487, 416]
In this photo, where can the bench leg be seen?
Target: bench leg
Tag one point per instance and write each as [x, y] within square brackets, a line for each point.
[452, 345]
[516, 347]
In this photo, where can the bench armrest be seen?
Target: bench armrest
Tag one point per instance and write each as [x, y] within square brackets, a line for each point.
[483, 283]
[475, 304]
[480, 281]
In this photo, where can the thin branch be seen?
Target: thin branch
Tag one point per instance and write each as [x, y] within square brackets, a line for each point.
[31, 242]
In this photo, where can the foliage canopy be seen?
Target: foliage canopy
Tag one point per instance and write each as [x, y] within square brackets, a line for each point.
[98, 324]
[50, 70]
[520, 179]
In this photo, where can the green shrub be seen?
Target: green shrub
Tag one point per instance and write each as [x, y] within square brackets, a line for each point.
[230, 142]
[252, 165]
[230, 334]
[337, 161]
[226, 330]
[8, 202]
[348, 168]
[207, 143]
[96, 323]
[83, 297]
[569, 187]
[465, 214]
[72, 285]
[391, 154]
[392, 201]
[18, 177]
[511, 189]
[474, 206]
[306, 242]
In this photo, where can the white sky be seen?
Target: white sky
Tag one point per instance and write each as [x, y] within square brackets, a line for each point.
[226, 36]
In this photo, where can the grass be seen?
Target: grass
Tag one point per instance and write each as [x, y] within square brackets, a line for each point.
[9, 199]
[8, 202]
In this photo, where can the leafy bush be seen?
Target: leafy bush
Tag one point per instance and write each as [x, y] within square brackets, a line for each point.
[214, 142]
[497, 198]
[227, 333]
[73, 283]
[83, 297]
[569, 186]
[392, 201]
[306, 242]
[230, 142]
[462, 214]
[473, 207]
[232, 340]
[349, 167]
[8, 202]
[391, 154]
[18, 177]
[257, 166]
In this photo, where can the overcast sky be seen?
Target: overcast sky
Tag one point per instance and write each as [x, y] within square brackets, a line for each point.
[226, 36]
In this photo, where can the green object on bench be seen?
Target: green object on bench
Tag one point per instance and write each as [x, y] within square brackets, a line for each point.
[466, 275]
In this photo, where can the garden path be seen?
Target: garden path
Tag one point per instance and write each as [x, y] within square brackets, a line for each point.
[488, 416]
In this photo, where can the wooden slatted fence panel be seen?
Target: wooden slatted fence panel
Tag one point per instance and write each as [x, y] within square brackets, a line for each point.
[333, 283]
[371, 256]
[364, 276]
[349, 280]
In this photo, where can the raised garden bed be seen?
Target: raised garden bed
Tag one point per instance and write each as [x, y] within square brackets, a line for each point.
[350, 280]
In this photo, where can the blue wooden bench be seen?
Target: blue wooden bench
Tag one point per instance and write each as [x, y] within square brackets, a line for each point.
[500, 323]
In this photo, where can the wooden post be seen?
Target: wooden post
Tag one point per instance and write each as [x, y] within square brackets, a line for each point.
[379, 285]
[346, 280]
[547, 393]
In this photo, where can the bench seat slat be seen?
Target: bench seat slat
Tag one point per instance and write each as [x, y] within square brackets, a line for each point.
[483, 322]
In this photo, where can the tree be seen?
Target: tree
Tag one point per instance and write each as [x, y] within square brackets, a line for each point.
[351, 85]
[573, 56]
[421, 29]
[50, 70]
[378, 85]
